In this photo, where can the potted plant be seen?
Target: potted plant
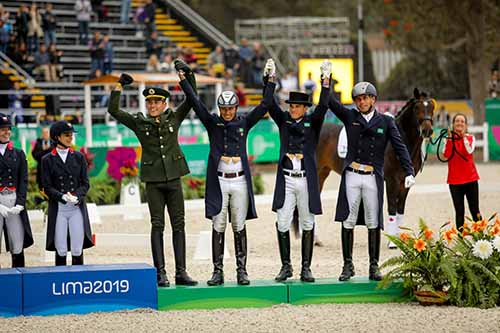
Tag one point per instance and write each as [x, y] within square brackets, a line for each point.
[475, 252]
[423, 265]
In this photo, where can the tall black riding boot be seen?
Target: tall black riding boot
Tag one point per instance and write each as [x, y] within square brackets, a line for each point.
[347, 244]
[217, 258]
[307, 251]
[60, 260]
[18, 260]
[284, 246]
[374, 253]
[181, 276]
[240, 247]
[77, 260]
[159, 257]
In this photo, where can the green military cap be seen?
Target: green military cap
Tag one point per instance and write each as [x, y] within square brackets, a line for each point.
[152, 92]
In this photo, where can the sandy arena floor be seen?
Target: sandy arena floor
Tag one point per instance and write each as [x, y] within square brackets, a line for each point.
[429, 199]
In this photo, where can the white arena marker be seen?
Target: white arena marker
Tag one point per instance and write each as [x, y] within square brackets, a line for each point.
[94, 216]
[204, 247]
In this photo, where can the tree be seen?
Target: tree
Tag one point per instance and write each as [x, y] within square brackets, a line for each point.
[444, 25]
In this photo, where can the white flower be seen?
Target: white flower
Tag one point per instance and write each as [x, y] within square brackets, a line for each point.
[496, 243]
[482, 249]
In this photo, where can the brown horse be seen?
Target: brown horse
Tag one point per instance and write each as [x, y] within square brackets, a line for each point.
[414, 122]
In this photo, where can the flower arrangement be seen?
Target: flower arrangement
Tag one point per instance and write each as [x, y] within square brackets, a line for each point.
[476, 254]
[122, 165]
[423, 264]
[460, 266]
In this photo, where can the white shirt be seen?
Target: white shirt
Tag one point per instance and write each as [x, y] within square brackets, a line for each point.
[368, 116]
[3, 146]
[63, 153]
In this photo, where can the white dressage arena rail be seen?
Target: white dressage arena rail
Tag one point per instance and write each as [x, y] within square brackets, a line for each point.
[483, 143]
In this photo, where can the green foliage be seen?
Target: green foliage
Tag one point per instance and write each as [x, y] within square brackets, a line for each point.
[258, 184]
[103, 191]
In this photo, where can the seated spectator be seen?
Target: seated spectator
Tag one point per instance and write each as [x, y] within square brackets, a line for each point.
[98, 8]
[49, 25]
[149, 18]
[153, 45]
[288, 83]
[108, 55]
[309, 85]
[494, 85]
[167, 65]
[246, 55]
[216, 62]
[229, 79]
[4, 15]
[22, 58]
[55, 62]
[153, 65]
[42, 64]
[189, 56]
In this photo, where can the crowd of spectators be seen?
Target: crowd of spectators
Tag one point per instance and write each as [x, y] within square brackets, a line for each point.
[31, 41]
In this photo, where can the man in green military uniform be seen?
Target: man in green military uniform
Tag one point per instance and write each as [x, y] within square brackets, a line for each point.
[163, 164]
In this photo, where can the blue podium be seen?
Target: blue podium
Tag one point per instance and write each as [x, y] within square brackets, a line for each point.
[89, 288]
[11, 296]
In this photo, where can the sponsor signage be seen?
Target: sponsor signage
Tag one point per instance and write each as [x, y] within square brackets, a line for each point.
[88, 288]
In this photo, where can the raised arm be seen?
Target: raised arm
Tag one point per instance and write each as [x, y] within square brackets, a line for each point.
[260, 110]
[123, 117]
[318, 115]
[183, 109]
[199, 108]
[343, 113]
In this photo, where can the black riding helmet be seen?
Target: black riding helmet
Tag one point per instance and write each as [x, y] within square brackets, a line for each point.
[58, 128]
[5, 121]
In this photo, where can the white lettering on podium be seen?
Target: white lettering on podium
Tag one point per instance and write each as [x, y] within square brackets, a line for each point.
[90, 287]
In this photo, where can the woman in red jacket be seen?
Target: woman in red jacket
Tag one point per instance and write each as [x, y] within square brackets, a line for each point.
[462, 172]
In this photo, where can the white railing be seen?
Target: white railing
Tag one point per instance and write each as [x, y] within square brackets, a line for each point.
[483, 143]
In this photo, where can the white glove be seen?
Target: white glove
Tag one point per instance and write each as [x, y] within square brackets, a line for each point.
[326, 69]
[409, 181]
[4, 211]
[16, 209]
[270, 68]
[69, 198]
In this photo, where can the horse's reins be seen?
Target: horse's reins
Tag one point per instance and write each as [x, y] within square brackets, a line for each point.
[443, 134]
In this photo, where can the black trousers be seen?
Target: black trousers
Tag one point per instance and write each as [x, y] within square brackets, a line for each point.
[170, 194]
[471, 191]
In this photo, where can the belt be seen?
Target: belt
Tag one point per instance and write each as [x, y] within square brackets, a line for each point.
[298, 156]
[361, 172]
[7, 190]
[228, 159]
[361, 167]
[230, 174]
[297, 174]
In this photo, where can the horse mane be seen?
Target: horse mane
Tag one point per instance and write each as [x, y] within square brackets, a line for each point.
[409, 104]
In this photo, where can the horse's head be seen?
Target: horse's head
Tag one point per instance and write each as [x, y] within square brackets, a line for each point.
[424, 112]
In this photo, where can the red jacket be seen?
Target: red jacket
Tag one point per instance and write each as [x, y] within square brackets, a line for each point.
[461, 171]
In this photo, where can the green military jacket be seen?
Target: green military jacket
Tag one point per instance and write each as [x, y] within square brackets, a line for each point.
[162, 158]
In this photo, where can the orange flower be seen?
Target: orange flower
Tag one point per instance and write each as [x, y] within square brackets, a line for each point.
[404, 237]
[449, 234]
[428, 233]
[479, 226]
[465, 229]
[419, 245]
[495, 230]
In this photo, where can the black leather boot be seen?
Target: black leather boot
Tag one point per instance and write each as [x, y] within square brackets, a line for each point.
[307, 251]
[347, 244]
[374, 253]
[217, 258]
[77, 260]
[181, 276]
[240, 247]
[60, 260]
[159, 258]
[286, 270]
[18, 260]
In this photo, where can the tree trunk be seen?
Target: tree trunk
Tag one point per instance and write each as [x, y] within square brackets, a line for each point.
[477, 61]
